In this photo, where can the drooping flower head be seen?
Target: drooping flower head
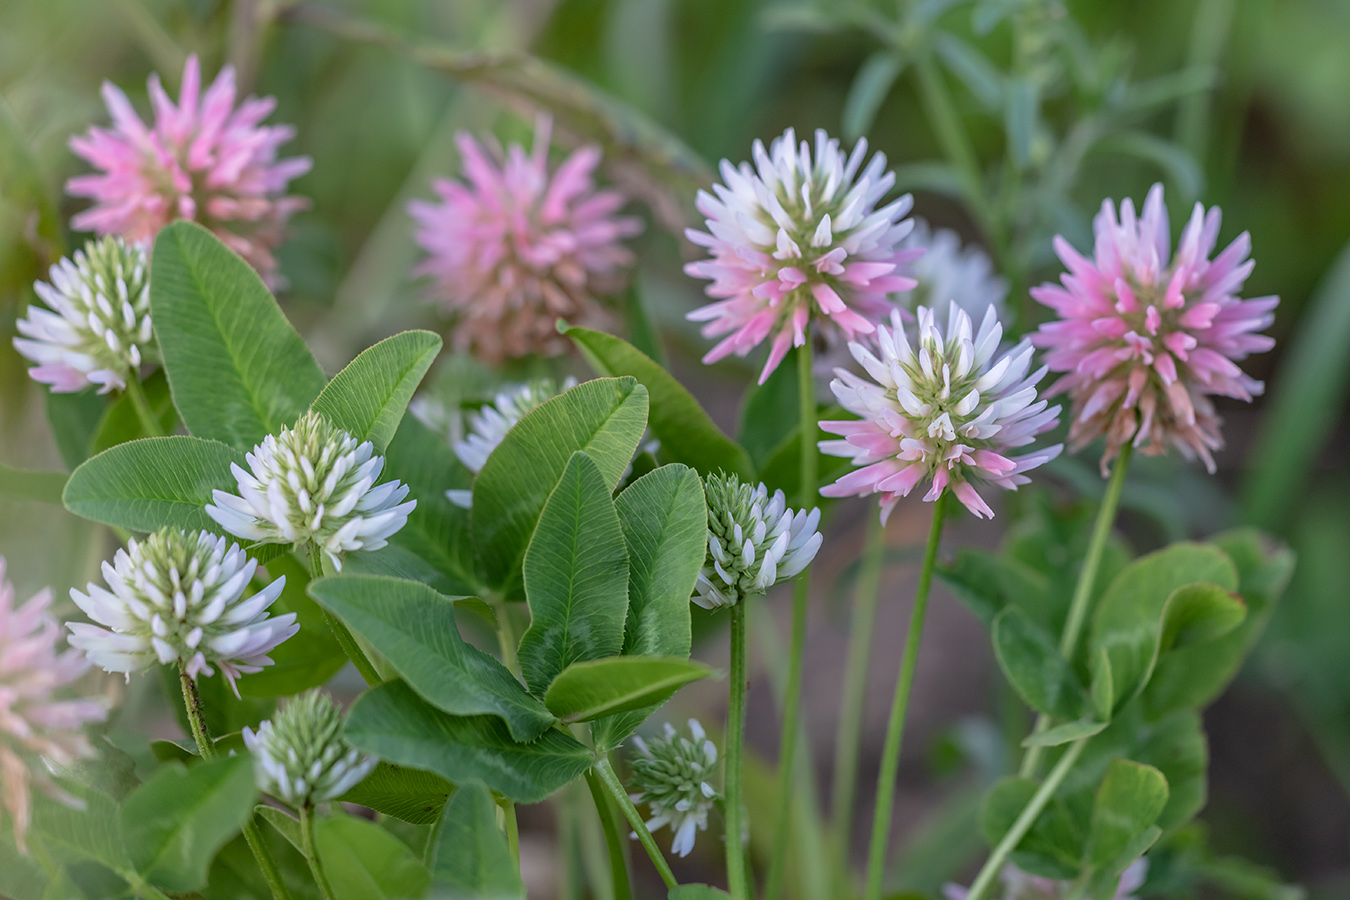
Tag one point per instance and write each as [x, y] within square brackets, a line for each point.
[951, 272]
[947, 408]
[1145, 338]
[299, 754]
[795, 239]
[313, 484]
[37, 726]
[178, 597]
[203, 159]
[672, 773]
[754, 541]
[95, 329]
[1018, 885]
[514, 247]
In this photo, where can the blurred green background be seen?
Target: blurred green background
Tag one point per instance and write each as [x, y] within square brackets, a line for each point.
[1240, 103]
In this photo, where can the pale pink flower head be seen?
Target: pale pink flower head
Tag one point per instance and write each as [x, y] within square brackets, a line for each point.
[1018, 885]
[203, 159]
[1144, 337]
[38, 728]
[948, 408]
[797, 239]
[514, 247]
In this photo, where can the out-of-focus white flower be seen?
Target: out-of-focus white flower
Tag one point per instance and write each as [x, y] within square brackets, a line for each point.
[754, 541]
[178, 597]
[96, 328]
[950, 272]
[673, 774]
[299, 754]
[313, 483]
[489, 425]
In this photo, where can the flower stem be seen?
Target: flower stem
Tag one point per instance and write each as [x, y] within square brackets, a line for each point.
[618, 864]
[849, 736]
[736, 869]
[801, 594]
[614, 786]
[895, 728]
[1082, 592]
[207, 750]
[310, 850]
[149, 424]
[512, 830]
[318, 568]
[985, 879]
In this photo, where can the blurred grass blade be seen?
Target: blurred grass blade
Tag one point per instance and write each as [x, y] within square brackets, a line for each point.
[22, 484]
[972, 68]
[870, 87]
[1174, 161]
[1306, 400]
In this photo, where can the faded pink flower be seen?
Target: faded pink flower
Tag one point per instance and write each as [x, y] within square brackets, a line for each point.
[1144, 337]
[34, 724]
[798, 239]
[513, 248]
[203, 160]
[949, 408]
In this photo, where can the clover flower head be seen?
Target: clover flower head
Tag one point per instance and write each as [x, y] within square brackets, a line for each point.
[1144, 337]
[489, 425]
[945, 407]
[95, 328]
[1018, 885]
[672, 772]
[513, 247]
[795, 239]
[754, 541]
[951, 272]
[299, 754]
[312, 483]
[39, 728]
[203, 159]
[178, 597]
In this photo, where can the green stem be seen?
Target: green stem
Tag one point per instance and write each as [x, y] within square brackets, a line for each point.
[984, 881]
[149, 424]
[506, 639]
[308, 847]
[849, 736]
[895, 729]
[512, 830]
[1082, 592]
[614, 786]
[618, 863]
[207, 750]
[736, 869]
[801, 595]
[318, 568]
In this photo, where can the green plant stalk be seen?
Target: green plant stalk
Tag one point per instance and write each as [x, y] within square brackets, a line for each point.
[984, 881]
[310, 850]
[512, 829]
[849, 735]
[1082, 592]
[616, 791]
[149, 424]
[618, 864]
[737, 885]
[895, 728]
[801, 595]
[207, 750]
[317, 569]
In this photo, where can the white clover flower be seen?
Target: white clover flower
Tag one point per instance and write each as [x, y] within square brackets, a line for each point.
[754, 541]
[299, 755]
[673, 773]
[489, 425]
[96, 329]
[179, 597]
[313, 483]
[949, 272]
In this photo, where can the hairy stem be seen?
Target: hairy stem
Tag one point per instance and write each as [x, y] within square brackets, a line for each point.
[618, 863]
[614, 786]
[895, 728]
[736, 878]
[311, 853]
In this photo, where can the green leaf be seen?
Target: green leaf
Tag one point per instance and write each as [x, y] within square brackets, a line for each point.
[1032, 664]
[152, 483]
[306, 659]
[1129, 801]
[1054, 844]
[1020, 115]
[980, 76]
[21, 878]
[94, 833]
[409, 795]
[987, 583]
[1199, 613]
[368, 398]
[770, 413]
[25, 484]
[602, 687]
[176, 821]
[686, 433]
[392, 722]
[365, 862]
[238, 370]
[471, 858]
[1064, 733]
[870, 86]
[576, 577]
[286, 825]
[604, 417]
[413, 628]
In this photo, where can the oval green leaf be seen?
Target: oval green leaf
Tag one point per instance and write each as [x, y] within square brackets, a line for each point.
[471, 856]
[588, 690]
[367, 399]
